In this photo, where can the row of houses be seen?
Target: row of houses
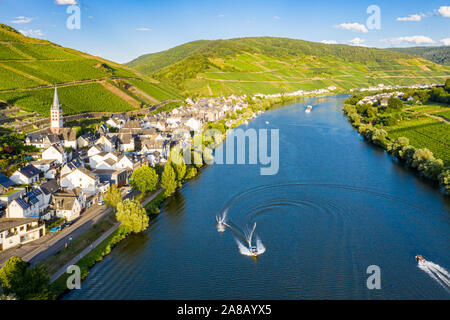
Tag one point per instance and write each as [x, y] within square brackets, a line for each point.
[71, 172]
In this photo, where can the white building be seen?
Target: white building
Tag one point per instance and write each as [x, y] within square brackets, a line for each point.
[26, 175]
[57, 153]
[56, 114]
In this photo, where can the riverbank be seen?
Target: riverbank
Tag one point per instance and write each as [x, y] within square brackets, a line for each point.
[94, 252]
[419, 141]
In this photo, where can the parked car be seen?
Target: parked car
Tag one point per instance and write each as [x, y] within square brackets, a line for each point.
[101, 202]
[68, 224]
[129, 191]
[55, 229]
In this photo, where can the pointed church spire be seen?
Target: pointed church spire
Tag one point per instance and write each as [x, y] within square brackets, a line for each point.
[55, 100]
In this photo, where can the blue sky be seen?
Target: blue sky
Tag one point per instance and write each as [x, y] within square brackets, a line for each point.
[122, 30]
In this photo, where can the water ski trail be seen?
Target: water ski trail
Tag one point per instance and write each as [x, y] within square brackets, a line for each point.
[437, 273]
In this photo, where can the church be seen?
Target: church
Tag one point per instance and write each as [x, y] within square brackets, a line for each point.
[56, 115]
[56, 134]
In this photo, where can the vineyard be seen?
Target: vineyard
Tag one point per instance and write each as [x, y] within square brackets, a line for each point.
[30, 67]
[74, 99]
[425, 133]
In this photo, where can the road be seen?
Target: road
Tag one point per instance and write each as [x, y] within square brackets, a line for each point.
[57, 274]
[39, 250]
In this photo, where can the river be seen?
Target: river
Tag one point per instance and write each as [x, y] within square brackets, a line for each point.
[337, 206]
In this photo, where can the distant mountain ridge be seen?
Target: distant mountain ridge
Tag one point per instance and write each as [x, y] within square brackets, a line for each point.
[30, 67]
[440, 55]
[271, 65]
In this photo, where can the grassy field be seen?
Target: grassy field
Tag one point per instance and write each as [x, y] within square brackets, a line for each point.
[425, 133]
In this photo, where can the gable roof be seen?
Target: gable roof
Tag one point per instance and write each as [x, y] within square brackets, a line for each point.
[29, 171]
[49, 187]
[6, 182]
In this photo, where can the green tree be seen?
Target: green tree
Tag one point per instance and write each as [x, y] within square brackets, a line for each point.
[168, 179]
[395, 148]
[395, 103]
[132, 216]
[191, 172]
[431, 169]
[25, 283]
[447, 85]
[35, 285]
[144, 179]
[12, 273]
[178, 164]
[420, 156]
[444, 180]
[113, 197]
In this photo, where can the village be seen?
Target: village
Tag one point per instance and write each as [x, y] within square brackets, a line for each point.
[69, 174]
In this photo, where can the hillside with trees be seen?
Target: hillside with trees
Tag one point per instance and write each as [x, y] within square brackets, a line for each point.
[440, 55]
[273, 65]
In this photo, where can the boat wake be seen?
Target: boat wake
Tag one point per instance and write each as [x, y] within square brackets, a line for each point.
[221, 222]
[244, 239]
[437, 273]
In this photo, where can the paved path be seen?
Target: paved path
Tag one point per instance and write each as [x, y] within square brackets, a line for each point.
[39, 250]
[83, 253]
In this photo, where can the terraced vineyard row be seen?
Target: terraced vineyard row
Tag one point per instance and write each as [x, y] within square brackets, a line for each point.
[425, 133]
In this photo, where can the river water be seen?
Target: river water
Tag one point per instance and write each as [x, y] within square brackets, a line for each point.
[337, 206]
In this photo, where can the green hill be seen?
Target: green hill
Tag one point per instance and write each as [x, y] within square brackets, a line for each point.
[439, 55]
[273, 65]
[29, 68]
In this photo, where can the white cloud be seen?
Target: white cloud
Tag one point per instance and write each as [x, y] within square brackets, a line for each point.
[220, 16]
[444, 11]
[22, 20]
[32, 33]
[329, 41]
[358, 42]
[356, 27]
[276, 17]
[143, 29]
[411, 39]
[65, 2]
[445, 42]
[411, 17]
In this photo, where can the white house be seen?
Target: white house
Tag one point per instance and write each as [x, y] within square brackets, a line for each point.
[65, 204]
[19, 231]
[194, 124]
[26, 175]
[23, 208]
[94, 150]
[82, 178]
[55, 152]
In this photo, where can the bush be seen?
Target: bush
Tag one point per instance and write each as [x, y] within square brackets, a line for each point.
[395, 103]
[444, 180]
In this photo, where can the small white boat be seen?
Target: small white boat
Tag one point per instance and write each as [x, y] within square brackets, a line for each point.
[308, 109]
[267, 122]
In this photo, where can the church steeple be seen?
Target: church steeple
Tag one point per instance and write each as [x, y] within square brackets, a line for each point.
[56, 104]
[56, 116]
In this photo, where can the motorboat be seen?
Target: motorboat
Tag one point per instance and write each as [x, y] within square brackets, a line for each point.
[308, 109]
[419, 258]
